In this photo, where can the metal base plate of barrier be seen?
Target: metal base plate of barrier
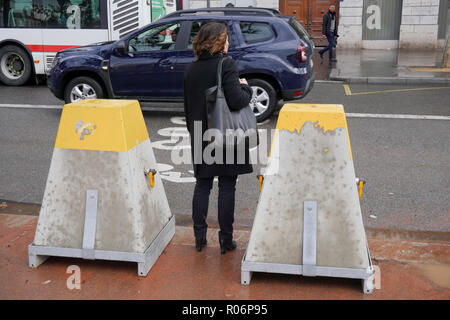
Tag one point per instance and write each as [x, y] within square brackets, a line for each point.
[38, 254]
[309, 267]
[366, 275]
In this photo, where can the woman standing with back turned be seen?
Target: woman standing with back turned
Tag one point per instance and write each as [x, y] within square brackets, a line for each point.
[210, 47]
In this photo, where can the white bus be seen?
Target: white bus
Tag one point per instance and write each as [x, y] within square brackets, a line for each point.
[33, 31]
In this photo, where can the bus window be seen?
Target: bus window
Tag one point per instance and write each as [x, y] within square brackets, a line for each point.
[62, 14]
[19, 14]
[73, 14]
[2, 14]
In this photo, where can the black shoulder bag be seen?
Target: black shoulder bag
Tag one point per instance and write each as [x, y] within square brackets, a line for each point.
[232, 128]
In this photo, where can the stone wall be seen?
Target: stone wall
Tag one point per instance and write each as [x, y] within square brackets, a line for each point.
[238, 3]
[350, 23]
[194, 4]
[419, 26]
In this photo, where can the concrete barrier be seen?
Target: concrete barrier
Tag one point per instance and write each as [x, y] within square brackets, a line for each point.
[103, 198]
[308, 219]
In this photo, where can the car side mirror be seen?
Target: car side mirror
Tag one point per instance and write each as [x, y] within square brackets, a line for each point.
[121, 47]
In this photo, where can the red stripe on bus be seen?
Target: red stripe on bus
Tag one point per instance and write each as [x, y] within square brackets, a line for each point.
[47, 48]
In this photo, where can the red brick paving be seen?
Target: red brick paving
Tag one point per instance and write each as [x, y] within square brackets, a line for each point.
[183, 273]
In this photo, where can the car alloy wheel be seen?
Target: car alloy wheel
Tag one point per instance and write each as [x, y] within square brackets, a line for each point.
[260, 100]
[82, 91]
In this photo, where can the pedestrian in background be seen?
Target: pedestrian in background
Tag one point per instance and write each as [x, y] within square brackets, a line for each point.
[330, 31]
[210, 47]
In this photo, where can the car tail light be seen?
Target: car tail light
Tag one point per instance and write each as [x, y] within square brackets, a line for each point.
[301, 54]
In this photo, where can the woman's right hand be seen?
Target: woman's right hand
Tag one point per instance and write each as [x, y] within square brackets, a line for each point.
[243, 81]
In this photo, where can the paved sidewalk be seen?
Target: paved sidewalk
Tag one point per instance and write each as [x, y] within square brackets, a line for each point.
[411, 268]
[389, 66]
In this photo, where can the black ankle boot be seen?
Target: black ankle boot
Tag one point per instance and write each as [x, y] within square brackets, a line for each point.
[200, 243]
[226, 244]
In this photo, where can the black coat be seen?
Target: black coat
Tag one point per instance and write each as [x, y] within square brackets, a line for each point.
[199, 76]
[326, 23]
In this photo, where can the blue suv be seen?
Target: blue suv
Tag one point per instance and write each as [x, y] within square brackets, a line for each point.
[273, 52]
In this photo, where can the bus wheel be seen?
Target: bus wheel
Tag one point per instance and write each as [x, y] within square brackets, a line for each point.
[82, 88]
[15, 65]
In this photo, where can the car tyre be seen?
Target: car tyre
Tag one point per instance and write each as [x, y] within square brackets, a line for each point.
[88, 88]
[15, 65]
[264, 99]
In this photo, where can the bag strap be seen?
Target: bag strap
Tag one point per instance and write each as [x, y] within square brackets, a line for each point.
[219, 73]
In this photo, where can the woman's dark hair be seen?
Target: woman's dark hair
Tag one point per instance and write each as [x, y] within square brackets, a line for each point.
[211, 38]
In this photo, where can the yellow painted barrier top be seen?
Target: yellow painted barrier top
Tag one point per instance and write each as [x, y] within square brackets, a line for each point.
[327, 117]
[101, 124]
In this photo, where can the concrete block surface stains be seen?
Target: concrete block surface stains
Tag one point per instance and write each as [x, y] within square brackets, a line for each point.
[313, 163]
[130, 213]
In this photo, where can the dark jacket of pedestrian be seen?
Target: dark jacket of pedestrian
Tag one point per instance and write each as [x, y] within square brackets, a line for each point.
[199, 76]
[327, 21]
[210, 46]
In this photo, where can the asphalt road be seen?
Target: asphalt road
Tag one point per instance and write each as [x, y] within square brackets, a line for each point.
[406, 162]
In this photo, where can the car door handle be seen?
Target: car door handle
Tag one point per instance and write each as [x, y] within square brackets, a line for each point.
[165, 63]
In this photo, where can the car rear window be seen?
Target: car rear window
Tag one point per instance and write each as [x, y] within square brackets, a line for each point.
[302, 33]
[256, 31]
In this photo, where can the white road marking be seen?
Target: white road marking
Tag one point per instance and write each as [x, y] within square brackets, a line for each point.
[263, 122]
[329, 81]
[30, 106]
[179, 119]
[176, 120]
[396, 116]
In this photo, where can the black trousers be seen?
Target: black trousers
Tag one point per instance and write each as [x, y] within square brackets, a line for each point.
[200, 201]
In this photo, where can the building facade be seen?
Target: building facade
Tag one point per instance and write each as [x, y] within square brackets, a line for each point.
[389, 24]
[369, 24]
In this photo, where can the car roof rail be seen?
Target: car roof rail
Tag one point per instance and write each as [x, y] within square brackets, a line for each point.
[225, 11]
